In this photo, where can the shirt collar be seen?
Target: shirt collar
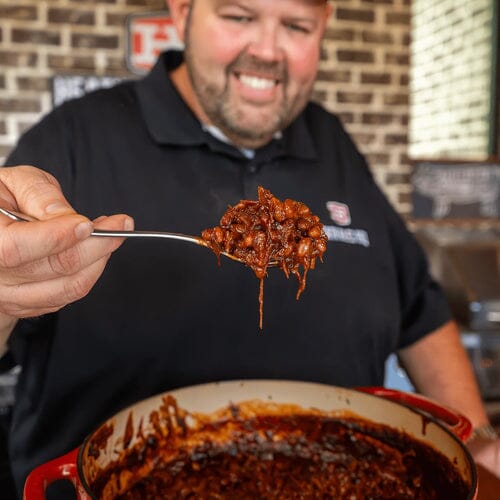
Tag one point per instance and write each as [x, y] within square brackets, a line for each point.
[170, 121]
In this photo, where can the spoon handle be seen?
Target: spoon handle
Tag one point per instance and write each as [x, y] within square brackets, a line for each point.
[149, 234]
[121, 234]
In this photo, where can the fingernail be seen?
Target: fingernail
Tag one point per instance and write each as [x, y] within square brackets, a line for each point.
[83, 230]
[57, 208]
[128, 224]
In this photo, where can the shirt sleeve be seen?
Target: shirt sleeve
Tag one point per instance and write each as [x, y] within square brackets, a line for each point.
[424, 306]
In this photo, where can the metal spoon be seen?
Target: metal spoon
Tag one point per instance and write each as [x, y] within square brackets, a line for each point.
[128, 234]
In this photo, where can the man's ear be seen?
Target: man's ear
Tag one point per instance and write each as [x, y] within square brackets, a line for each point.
[179, 12]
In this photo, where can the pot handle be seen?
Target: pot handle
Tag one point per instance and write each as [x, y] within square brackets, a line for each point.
[453, 420]
[63, 467]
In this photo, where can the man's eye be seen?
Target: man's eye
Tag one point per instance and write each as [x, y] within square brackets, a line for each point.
[239, 19]
[297, 27]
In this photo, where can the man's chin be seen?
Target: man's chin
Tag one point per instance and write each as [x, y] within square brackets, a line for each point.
[251, 135]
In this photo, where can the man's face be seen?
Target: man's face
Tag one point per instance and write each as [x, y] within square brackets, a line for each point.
[252, 63]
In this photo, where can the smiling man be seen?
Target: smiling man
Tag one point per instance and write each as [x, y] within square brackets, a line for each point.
[97, 328]
[256, 74]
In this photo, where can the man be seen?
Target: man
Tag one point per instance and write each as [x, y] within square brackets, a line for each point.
[203, 130]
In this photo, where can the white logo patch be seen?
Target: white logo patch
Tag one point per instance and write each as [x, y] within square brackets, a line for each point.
[347, 235]
[339, 213]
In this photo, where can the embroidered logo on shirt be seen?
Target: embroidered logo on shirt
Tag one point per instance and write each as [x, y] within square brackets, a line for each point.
[347, 235]
[339, 212]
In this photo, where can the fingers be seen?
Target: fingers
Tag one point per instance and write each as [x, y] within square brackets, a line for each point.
[55, 247]
[42, 297]
[62, 271]
[33, 192]
[47, 264]
[26, 242]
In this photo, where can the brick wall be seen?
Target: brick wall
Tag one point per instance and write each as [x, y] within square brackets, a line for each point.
[363, 74]
[451, 78]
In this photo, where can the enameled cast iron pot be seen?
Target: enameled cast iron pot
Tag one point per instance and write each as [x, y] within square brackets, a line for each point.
[421, 418]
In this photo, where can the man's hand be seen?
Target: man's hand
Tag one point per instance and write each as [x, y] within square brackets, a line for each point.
[48, 264]
[487, 453]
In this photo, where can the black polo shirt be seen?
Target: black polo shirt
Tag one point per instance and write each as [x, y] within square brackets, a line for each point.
[164, 314]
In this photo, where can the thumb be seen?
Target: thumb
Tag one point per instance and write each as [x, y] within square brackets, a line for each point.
[33, 192]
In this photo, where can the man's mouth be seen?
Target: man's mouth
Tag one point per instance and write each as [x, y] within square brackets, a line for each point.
[256, 82]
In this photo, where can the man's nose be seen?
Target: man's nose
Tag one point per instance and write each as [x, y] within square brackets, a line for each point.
[265, 44]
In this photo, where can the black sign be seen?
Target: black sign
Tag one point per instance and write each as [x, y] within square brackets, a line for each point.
[456, 190]
[65, 87]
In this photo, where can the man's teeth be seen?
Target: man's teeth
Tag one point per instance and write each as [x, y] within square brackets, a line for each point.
[257, 83]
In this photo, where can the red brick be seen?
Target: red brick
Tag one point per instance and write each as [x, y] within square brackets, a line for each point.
[378, 2]
[91, 41]
[396, 99]
[393, 139]
[116, 18]
[159, 4]
[377, 37]
[363, 139]
[403, 18]
[318, 96]
[334, 75]
[340, 34]
[19, 105]
[33, 83]
[346, 117]
[58, 62]
[399, 59]
[355, 56]
[18, 59]
[377, 118]
[358, 15]
[18, 12]
[377, 158]
[93, 2]
[376, 78]
[354, 97]
[116, 66]
[405, 198]
[36, 37]
[70, 16]
[397, 178]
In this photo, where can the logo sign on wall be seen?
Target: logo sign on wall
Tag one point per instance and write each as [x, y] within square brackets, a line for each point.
[147, 36]
[448, 190]
[66, 87]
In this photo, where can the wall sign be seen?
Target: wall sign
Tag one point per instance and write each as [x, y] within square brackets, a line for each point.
[65, 87]
[147, 36]
[456, 190]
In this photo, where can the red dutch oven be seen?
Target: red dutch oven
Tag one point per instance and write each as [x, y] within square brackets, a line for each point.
[442, 428]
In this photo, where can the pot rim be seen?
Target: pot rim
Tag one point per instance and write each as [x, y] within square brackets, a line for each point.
[470, 461]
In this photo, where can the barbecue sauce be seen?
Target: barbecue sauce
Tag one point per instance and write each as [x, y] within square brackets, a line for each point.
[240, 453]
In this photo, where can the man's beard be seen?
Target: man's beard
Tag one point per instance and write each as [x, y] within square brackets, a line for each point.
[230, 118]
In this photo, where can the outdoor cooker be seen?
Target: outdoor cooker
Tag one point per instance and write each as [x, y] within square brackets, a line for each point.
[420, 418]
